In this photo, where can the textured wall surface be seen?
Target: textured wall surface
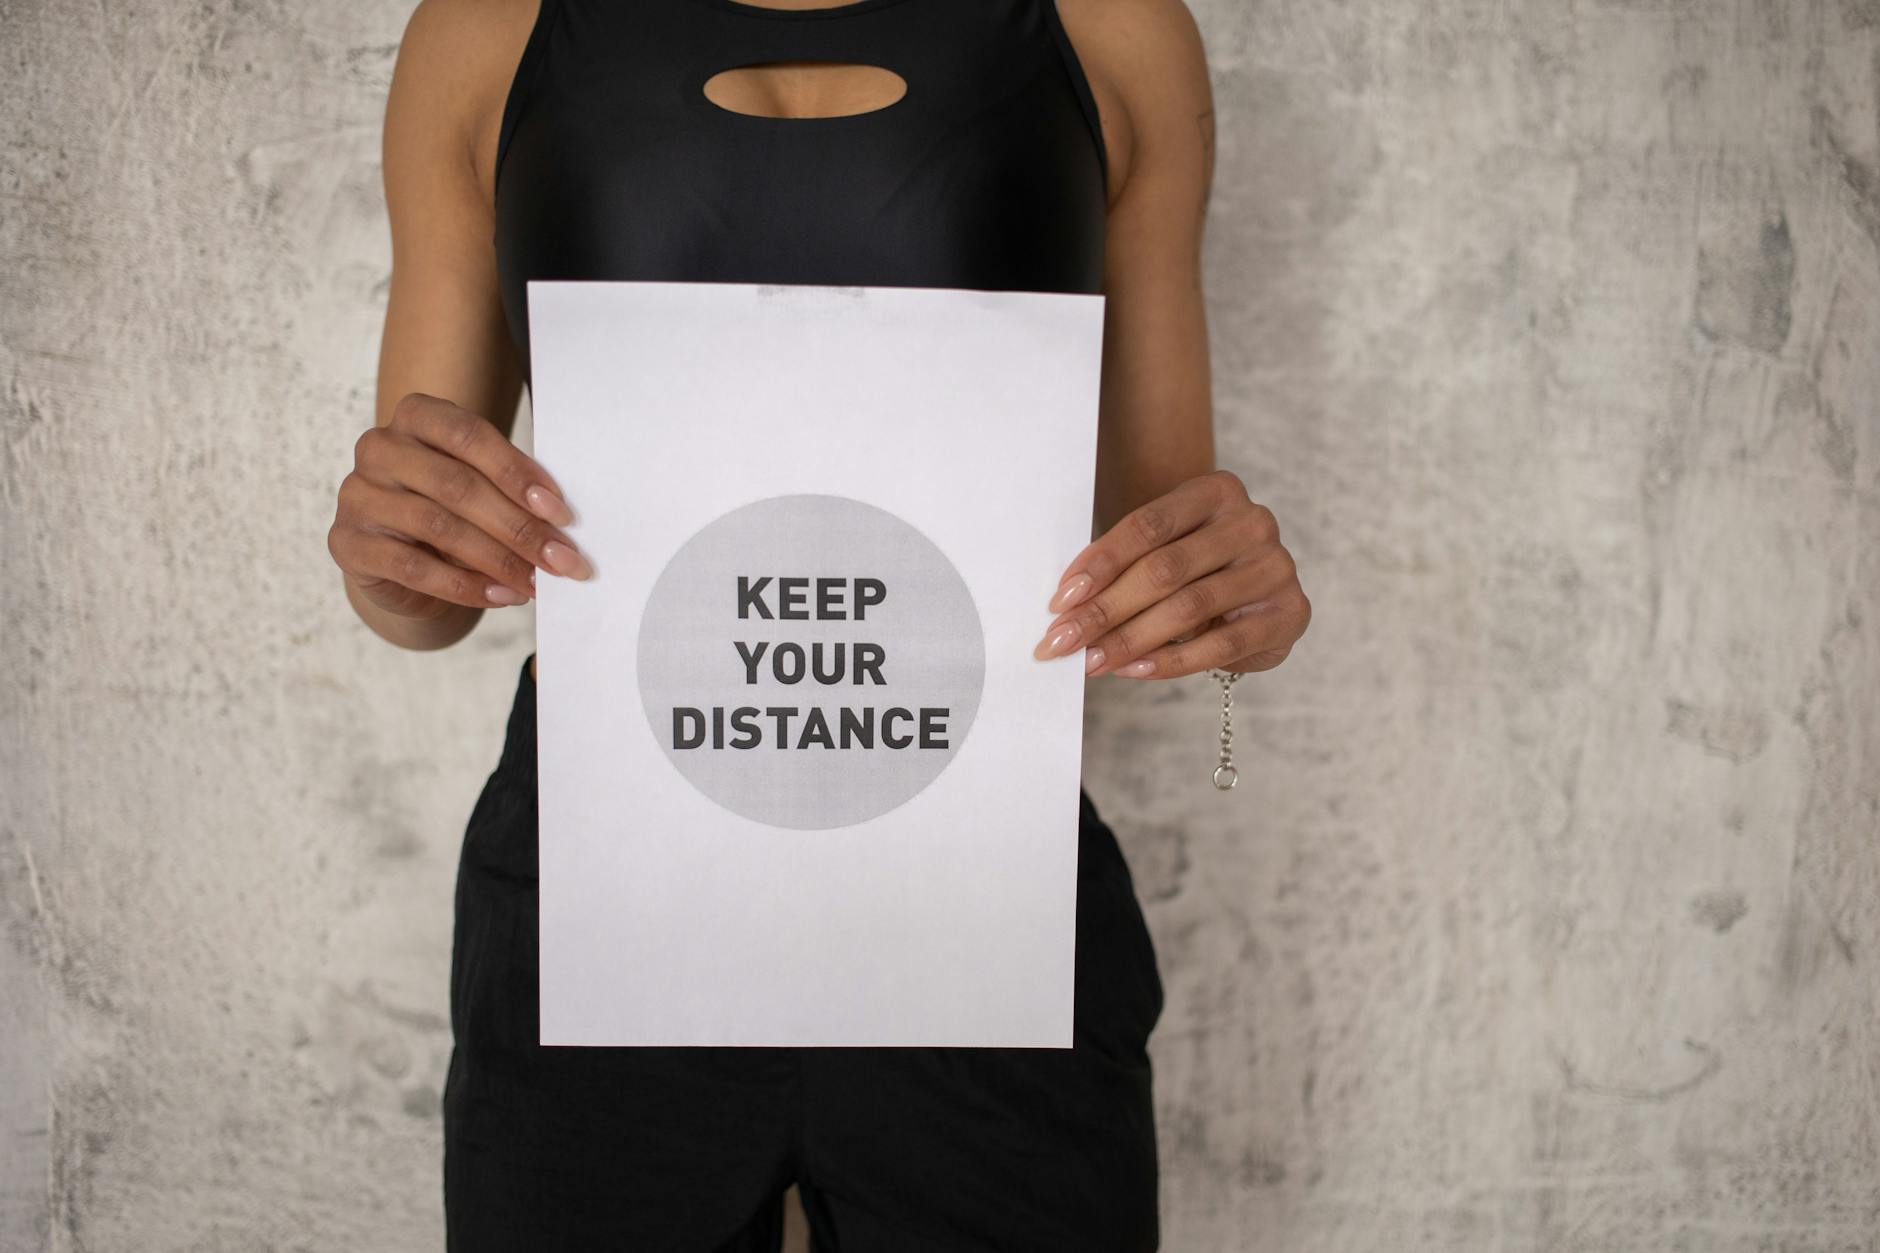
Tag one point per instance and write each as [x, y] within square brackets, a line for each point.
[1547, 914]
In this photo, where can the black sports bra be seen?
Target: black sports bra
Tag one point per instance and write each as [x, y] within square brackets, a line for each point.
[611, 163]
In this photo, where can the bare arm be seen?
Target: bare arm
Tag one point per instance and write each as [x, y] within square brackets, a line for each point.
[1149, 67]
[444, 333]
[1187, 573]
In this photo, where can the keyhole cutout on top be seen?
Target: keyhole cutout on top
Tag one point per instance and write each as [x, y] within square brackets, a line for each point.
[804, 89]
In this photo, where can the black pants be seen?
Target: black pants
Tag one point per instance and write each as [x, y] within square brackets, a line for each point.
[689, 1150]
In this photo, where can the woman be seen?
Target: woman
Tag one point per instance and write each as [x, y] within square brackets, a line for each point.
[959, 143]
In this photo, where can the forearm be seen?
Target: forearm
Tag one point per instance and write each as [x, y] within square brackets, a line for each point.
[1155, 414]
[419, 634]
[1136, 474]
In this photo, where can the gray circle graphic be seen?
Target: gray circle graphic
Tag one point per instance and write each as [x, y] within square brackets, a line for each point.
[810, 661]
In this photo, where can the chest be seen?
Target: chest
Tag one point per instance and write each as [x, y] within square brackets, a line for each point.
[899, 142]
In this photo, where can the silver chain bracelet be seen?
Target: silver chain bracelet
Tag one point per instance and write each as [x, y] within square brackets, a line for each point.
[1225, 775]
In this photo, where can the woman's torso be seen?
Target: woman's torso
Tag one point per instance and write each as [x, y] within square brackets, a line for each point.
[611, 163]
[990, 171]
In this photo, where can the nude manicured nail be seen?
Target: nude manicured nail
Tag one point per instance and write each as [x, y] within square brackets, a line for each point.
[498, 594]
[1069, 594]
[548, 505]
[1093, 657]
[1136, 669]
[565, 560]
[1058, 642]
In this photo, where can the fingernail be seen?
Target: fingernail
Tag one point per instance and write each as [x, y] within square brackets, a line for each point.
[1243, 610]
[498, 594]
[1059, 641]
[1136, 669]
[548, 505]
[1070, 593]
[565, 560]
[1093, 657]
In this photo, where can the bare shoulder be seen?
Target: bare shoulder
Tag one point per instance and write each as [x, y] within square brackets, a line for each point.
[1148, 69]
[455, 64]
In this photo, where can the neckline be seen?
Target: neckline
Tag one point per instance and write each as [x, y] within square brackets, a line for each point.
[823, 11]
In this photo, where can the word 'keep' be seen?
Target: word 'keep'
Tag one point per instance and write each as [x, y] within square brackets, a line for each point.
[838, 599]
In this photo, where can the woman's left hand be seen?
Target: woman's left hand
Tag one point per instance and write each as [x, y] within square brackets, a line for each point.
[1192, 580]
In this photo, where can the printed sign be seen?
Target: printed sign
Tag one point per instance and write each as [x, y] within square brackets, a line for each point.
[801, 781]
[810, 701]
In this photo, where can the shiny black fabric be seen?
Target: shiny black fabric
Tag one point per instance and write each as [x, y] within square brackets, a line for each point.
[612, 164]
[690, 1150]
[988, 173]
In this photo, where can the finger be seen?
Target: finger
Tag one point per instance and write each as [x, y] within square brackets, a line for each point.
[1189, 611]
[472, 438]
[1142, 530]
[447, 534]
[1257, 639]
[1188, 607]
[466, 492]
[1165, 573]
[372, 555]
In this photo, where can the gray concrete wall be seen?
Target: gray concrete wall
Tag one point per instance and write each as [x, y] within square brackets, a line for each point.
[1547, 913]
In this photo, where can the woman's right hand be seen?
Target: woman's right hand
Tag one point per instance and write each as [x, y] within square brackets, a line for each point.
[441, 509]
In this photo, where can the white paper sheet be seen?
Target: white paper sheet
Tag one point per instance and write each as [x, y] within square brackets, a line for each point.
[919, 462]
